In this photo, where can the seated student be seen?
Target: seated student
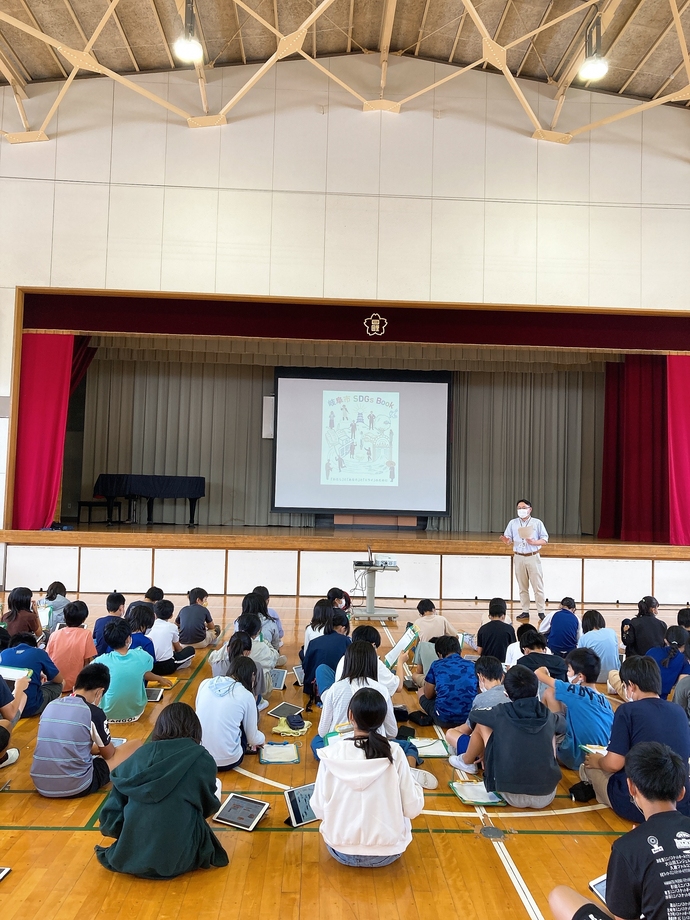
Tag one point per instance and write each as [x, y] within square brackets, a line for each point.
[11, 705]
[495, 636]
[489, 673]
[115, 605]
[140, 618]
[322, 617]
[602, 640]
[262, 591]
[514, 653]
[565, 630]
[449, 686]
[21, 615]
[56, 596]
[431, 625]
[255, 604]
[195, 622]
[226, 707]
[588, 714]
[535, 656]
[125, 698]
[70, 728]
[645, 718]
[152, 596]
[327, 649]
[391, 680]
[339, 599]
[24, 653]
[672, 659]
[365, 793]
[649, 870]
[519, 759]
[72, 648]
[264, 656]
[645, 630]
[683, 617]
[424, 656]
[168, 784]
[169, 653]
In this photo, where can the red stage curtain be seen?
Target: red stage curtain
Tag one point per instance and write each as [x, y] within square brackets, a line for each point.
[635, 489]
[678, 384]
[43, 399]
[82, 356]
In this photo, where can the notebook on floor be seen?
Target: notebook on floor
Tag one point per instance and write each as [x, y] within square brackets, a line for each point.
[475, 794]
[279, 752]
[431, 747]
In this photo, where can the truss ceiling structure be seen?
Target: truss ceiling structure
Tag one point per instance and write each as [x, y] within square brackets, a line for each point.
[644, 41]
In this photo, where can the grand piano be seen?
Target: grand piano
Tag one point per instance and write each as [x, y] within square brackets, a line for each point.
[126, 485]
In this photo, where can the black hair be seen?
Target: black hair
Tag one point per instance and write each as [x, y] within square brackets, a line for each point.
[592, 619]
[115, 634]
[447, 645]
[141, 618]
[196, 595]
[522, 629]
[643, 672]
[684, 617]
[114, 601]
[335, 594]
[647, 606]
[255, 603]
[26, 638]
[425, 606]
[154, 594]
[93, 677]
[18, 599]
[676, 638]
[76, 613]
[368, 634]
[55, 588]
[367, 711]
[360, 661]
[497, 607]
[249, 623]
[262, 591]
[322, 616]
[338, 619]
[532, 640]
[163, 609]
[239, 643]
[523, 501]
[520, 683]
[489, 667]
[568, 603]
[658, 772]
[177, 720]
[4, 639]
[585, 661]
[243, 670]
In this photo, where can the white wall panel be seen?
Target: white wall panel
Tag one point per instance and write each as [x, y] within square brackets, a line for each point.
[562, 578]
[276, 570]
[419, 576]
[321, 571]
[36, 567]
[176, 571]
[484, 577]
[611, 580]
[672, 583]
[3, 555]
[106, 570]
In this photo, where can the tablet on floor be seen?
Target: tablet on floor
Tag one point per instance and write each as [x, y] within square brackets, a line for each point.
[598, 886]
[241, 812]
[283, 710]
[299, 674]
[278, 678]
[298, 805]
[154, 695]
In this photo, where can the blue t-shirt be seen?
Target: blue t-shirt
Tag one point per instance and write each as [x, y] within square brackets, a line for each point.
[126, 695]
[605, 643]
[588, 720]
[563, 633]
[139, 640]
[40, 662]
[649, 719]
[670, 672]
[98, 637]
[456, 687]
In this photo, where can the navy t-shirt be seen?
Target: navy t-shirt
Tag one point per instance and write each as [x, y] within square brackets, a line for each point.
[5, 693]
[326, 650]
[562, 636]
[98, 637]
[40, 662]
[456, 687]
[139, 640]
[671, 671]
[649, 719]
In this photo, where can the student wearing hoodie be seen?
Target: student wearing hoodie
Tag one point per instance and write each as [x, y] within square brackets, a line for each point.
[525, 725]
[364, 793]
[159, 803]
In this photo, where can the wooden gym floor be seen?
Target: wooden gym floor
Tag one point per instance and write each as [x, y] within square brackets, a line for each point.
[278, 872]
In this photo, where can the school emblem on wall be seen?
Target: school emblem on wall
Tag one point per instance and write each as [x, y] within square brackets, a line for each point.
[375, 324]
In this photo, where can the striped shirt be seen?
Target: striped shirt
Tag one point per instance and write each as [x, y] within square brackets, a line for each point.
[63, 764]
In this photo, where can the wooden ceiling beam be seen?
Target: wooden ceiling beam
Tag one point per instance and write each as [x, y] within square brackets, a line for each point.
[640, 64]
[681, 36]
[36, 25]
[532, 46]
[421, 27]
[463, 17]
[387, 19]
[350, 25]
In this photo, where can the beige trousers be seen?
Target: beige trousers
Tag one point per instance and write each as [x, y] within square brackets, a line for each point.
[600, 780]
[528, 572]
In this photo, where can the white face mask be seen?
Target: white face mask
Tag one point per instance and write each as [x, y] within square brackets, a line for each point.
[575, 679]
[524, 513]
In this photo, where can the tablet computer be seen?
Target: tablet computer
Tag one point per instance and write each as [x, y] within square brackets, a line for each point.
[598, 886]
[4, 870]
[14, 673]
[278, 678]
[298, 805]
[154, 694]
[283, 710]
[299, 674]
[241, 812]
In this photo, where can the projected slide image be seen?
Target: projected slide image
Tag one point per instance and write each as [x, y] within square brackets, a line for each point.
[360, 438]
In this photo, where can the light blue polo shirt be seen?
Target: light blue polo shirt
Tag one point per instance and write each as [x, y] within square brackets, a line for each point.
[520, 544]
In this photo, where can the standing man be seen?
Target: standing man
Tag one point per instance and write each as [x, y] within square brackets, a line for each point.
[528, 535]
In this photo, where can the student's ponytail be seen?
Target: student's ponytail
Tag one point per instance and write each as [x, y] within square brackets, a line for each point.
[368, 712]
[677, 638]
[375, 746]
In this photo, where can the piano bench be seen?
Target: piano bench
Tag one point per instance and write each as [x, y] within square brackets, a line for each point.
[91, 505]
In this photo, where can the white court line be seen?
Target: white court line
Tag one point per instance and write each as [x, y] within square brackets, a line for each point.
[520, 814]
[261, 779]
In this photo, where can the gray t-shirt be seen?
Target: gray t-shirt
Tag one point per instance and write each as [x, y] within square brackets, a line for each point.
[490, 698]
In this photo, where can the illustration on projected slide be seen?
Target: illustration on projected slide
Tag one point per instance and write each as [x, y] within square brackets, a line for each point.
[359, 442]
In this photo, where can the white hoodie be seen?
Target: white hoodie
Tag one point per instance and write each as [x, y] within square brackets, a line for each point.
[365, 805]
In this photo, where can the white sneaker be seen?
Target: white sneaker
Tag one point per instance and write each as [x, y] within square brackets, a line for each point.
[425, 779]
[11, 756]
[459, 764]
[262, 705]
